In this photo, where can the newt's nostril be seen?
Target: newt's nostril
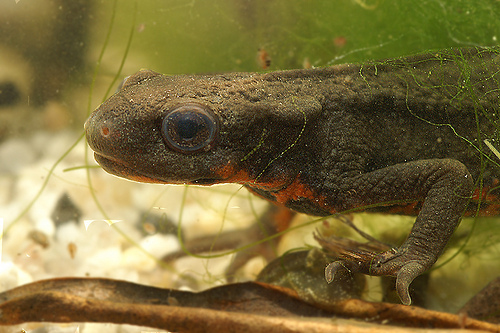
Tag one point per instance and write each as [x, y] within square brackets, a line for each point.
[105, 131]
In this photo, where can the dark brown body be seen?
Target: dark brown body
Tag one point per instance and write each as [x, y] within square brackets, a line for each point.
[403, 135]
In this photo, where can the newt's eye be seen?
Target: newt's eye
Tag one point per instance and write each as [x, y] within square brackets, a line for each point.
[189, 128]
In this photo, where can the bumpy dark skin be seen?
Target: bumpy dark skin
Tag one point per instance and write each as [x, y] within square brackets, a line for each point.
[401, 136]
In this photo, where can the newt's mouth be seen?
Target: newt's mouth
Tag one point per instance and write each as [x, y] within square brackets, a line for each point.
[119, 169]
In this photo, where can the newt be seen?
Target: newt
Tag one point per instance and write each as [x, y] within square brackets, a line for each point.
[403, 136]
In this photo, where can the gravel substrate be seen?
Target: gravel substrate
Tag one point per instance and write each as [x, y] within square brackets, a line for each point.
[54, 228]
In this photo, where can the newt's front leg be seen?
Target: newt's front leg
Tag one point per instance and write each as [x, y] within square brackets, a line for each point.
[444, 185]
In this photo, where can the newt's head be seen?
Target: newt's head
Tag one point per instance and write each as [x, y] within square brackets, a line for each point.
[195, 130]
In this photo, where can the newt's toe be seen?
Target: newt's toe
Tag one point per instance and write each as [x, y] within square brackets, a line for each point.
[405, 277]
[405, 265]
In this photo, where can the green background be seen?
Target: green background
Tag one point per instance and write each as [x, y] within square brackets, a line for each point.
[199, 36]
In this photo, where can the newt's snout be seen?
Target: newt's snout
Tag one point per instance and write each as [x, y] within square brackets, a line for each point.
[165, 141]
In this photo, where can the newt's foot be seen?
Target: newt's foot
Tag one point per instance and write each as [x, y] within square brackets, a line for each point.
[404, 266]
[368, 259]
